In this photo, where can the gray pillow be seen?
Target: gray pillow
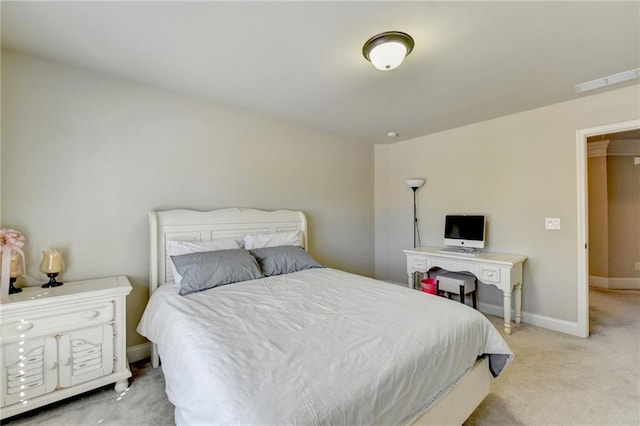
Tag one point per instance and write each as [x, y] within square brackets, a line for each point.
[208, 269]
[283, 260]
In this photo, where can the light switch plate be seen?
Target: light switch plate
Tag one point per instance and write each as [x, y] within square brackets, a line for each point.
[552, 223]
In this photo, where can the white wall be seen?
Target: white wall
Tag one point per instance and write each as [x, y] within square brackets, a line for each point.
[517, 170]
[85, 157]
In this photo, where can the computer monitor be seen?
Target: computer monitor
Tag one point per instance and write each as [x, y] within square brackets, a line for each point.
[464, 231]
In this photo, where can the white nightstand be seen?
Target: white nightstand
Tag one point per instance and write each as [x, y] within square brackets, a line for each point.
[62, 341]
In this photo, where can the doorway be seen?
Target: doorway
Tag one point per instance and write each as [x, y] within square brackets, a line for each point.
[582, 219]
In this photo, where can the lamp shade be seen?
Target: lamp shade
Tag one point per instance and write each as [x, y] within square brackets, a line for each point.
[388, 56]
[51, 262]
[16, 266]
[415, 183]
[387, 50]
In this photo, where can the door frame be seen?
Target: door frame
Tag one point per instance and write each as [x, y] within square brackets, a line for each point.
[583, 215]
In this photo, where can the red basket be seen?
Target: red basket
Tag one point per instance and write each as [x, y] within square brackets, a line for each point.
[429, 285]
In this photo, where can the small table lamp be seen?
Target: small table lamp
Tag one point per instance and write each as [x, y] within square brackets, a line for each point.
[14, 273]
[51, 265]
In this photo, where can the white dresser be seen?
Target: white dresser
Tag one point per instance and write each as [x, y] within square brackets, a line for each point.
[498, 269]
[62, 341]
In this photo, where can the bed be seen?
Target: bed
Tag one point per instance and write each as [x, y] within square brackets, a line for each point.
[312, 346]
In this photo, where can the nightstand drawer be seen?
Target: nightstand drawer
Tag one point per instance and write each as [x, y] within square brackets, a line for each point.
[24, 327]
[489, 275]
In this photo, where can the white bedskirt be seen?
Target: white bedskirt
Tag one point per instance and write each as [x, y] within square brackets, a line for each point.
[319, 346]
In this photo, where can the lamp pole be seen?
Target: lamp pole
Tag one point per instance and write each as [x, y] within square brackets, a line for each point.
[415, 217]
[414, 184]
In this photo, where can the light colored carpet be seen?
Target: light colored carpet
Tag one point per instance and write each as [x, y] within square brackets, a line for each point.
[555, 380]
[561, 380]
[143, 403]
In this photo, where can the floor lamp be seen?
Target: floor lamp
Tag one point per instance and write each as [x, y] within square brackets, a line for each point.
[414, 184]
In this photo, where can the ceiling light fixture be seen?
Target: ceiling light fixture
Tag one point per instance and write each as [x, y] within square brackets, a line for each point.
[607, 81]
[387, 50]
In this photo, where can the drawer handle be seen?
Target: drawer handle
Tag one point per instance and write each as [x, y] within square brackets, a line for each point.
[51, 365]
[24, 326]
[91, 315]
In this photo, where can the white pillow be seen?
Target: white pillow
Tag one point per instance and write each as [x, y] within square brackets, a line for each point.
[176, 248]
[275, 239]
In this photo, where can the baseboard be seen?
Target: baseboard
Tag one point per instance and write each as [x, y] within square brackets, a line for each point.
[139, 352]
[549, 323]
[624, 283]
[599, 282]
[614, 283]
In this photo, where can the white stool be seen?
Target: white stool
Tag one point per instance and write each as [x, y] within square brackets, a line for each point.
[457, 283]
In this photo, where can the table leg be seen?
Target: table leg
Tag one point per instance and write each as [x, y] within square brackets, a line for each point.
[518, 296]
[121, 385]
[507, 312]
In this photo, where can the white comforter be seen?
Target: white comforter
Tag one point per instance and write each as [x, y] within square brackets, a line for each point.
[319, 346]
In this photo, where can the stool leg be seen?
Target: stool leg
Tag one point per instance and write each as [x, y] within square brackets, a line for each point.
[475, 296]
[462, 294]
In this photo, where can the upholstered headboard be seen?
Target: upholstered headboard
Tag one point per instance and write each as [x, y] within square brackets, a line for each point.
[191, 225]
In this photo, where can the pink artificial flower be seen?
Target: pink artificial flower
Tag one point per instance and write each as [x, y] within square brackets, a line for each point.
[11, 238]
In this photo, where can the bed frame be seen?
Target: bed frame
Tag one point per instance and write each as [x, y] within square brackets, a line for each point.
[190, 225]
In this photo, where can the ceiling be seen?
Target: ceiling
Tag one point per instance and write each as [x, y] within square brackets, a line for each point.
[302, 61]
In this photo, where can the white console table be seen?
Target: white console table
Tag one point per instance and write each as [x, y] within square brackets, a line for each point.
[501, 270]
